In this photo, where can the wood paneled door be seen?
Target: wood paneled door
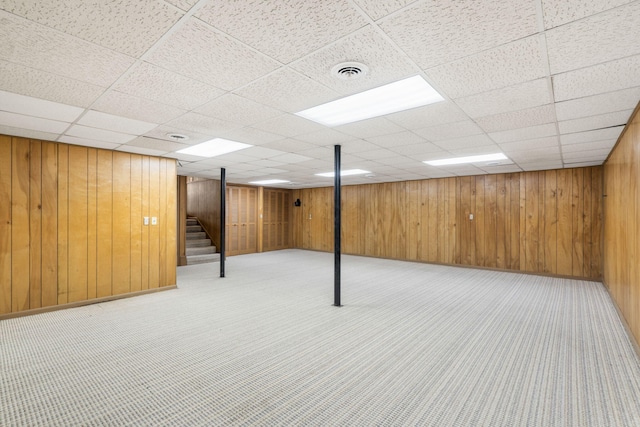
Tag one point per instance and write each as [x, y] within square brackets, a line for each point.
[241, 223]
[275, 229]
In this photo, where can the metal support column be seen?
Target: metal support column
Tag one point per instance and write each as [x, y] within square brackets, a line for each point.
[336, 227]
[223, 217]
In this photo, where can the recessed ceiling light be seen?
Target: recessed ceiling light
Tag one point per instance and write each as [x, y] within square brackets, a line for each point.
[398, 96]
[269, 181]
[214, 147]
[344, 173]
[468, 159]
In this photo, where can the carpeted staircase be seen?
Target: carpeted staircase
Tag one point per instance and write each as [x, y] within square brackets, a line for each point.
[199, 248]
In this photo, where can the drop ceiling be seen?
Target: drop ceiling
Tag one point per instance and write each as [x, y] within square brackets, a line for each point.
[550, 83]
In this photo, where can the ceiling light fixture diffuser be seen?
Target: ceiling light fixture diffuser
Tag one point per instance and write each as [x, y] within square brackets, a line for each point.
[269, 182]
[468, 159]
[347, 172]
[398, 96]
[214, 147]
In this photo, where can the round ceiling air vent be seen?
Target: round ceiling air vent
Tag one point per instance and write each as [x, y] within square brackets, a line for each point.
[177, 136]
[349, 70]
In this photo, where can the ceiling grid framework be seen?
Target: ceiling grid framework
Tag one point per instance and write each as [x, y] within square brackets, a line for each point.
[549, 83]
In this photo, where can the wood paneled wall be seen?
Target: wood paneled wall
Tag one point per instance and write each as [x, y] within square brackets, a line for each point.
[71, 223]
[541, 222]
[621, 229]
[203, 202]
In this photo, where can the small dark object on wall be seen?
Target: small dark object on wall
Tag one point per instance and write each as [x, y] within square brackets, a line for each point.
[297, 202]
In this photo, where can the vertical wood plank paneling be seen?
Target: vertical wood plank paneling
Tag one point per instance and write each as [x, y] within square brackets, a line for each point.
[121, 223]
[144, 267]
[136, 223]
[35, 225]
[162, 223]
[63, 224]
[92, 223]
[551, 222]
[577, 221]
[78, 223]
[518, 220]
[587, 240]
[6, 175]
[154, 233]
[105, 223]
[564, 225]
[20, 225]
[172, 222]
[49, 165]
[597, 206]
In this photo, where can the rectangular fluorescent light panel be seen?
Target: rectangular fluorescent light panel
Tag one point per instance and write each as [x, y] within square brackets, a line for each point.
[399, 96]
[344, 173]
[269, 182]
[468, 159]
[214, 147]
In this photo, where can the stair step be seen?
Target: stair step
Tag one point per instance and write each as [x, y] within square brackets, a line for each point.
[200, 235]
[201, 251]
[198, 243]
[201, 259]
[193, 228]
[192, 221]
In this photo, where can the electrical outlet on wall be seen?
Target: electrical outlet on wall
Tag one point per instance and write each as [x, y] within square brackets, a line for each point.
[146, 220]
[154, 220]
[470, 217]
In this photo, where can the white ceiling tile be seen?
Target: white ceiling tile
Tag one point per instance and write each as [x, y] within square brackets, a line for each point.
[449, 131]
[161, 132]
[377, 9]
[289, 125]
[183, 157]
[282, 90]
[88, 142]
[355, 146]
[262, 152]
[28, 133]
[285, 31]
[210, 55]
[115, 123]
[505, 65]
[558, 12]
[234, 108]
[269, 171]
[415, 149]
[464, 142]
[595, 122]
[264, 163]
[140, 150]
[513, 98]
[603, 37]
[40, 84]
[607, 77]
[462, 170]
[290, 158]
[251, 136]
[31, 106]
[595, 105]
[581, 164]
[195, 122]
[380, 153]
[538, 131]
[396, 139]
[32, 45]
[324, 137]
[183, 4]
[386, 64]
[430, 115]
[289, 145]
[590, 136]
[586, 146]
[530, 144]
[124, 26]
[431, 32]
[585, 156]
[539, 155]
[539, 166]
[518, 119]
[370, 127]
[99, 134]
[152, 82]
[230, 158]
[156, 144]
[474, 151]
[32, 123]
[323, 153]
[133, 107]
[502, 169]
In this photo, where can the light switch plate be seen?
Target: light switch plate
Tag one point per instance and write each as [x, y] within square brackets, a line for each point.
[154, 220]
[471, 217]
[146, 220]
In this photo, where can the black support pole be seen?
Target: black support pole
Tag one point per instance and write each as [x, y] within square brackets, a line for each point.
[223, 217]
[336, 228]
